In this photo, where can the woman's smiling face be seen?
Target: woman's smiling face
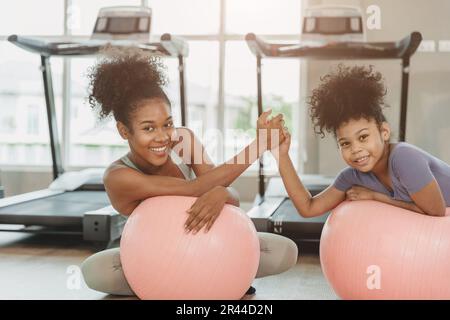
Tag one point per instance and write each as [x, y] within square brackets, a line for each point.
[152, 131]
[362, 143]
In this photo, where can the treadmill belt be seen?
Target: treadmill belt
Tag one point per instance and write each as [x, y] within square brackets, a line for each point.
[288, 222]
[62, 209]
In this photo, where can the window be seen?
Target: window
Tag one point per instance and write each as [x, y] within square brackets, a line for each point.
[89, 142]
[263, 16]
[193, 17]
[280, 78]
[23, 126]
[280, 88]
[27, 17]
[24, 138]
[202, 77]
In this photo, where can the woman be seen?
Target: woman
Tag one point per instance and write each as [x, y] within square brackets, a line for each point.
[164, 160]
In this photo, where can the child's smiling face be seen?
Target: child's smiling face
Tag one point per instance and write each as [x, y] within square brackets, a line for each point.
[362, 142]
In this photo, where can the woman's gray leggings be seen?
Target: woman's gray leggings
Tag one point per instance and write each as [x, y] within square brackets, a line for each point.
[103, 270]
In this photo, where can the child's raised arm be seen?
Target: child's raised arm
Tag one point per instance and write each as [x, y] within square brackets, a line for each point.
[306, 205]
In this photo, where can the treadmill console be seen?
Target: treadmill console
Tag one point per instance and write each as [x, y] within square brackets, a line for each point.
[131, 23]
[331, 23]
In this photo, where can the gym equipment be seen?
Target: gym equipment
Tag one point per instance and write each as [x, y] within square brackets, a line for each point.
[372, 250]
[274, 211]
[161, 261]
[129, 23]
[326, 24]
[75, 203]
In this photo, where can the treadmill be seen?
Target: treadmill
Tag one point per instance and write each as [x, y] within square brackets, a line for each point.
[274, 211]
[75, 203]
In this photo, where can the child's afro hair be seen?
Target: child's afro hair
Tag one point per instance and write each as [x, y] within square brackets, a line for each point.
[347, 93]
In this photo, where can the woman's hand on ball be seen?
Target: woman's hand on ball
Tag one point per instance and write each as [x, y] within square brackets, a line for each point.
[206, 209]
[360, 193]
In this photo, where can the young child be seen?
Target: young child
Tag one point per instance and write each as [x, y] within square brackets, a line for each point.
[348, 103]
[166, 160]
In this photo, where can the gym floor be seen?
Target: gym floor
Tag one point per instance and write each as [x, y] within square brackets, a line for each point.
[39, 267]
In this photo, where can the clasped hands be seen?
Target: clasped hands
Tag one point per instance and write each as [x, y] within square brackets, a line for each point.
[271, 135]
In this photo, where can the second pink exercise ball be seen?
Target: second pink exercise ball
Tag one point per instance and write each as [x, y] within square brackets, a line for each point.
[372, 250]
[161, 261]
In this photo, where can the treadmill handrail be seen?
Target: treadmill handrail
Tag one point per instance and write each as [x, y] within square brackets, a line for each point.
[175, 46]
[20, 198]
[169, 46]
[405, 47]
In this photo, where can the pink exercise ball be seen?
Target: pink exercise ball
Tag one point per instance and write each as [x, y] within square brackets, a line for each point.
[161, 261]
[372, 250]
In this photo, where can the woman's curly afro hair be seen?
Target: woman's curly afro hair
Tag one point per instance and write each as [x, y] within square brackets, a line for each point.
[347, 93]
[123, 78]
